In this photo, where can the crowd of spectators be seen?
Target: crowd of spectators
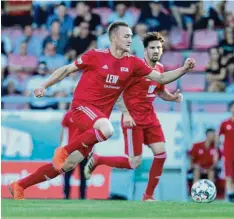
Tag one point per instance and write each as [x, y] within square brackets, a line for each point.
[41, 36]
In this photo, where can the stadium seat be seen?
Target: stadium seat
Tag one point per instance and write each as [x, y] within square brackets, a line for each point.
[103, 13]
[204, 39]
[172, 86]
[13, 33]
[171, 60]
[193, 82]
[179, 39]
[202, 60]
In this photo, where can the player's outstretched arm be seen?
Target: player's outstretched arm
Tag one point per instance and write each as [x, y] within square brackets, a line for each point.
[168, 96]
[170, 76]
[56, 76]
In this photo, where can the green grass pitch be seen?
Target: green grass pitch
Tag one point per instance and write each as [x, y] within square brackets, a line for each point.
[70, 209]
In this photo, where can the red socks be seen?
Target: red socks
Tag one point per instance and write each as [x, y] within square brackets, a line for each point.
[118, 162]
[88, 138]
[42, 174]
[155, 173]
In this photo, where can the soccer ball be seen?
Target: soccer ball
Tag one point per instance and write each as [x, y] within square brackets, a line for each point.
[203, 191]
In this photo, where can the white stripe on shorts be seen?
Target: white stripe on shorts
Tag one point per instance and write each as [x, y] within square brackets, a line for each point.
[91, 116]
[91, 112]
[130, 143]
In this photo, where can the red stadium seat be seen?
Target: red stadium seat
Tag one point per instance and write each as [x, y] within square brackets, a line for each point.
[204, 39]
[202, 60]
[103, 13]
[171, 60]
[13, 33]
[193, 82]
[172, 86]
[179, 39]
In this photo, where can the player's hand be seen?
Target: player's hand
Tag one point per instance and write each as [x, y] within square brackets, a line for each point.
[39, 92]
[189, 64]
[178, 96]
[128, 120]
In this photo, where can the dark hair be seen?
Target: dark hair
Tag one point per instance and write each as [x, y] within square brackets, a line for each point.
[230, 104]
[152, 36]
[115, 25]
[209, 130]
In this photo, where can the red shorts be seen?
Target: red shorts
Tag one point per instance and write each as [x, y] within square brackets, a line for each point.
[229, 167]
[86, 115]
[135, 137]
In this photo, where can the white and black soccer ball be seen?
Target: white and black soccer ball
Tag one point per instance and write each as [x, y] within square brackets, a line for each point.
[203, 191]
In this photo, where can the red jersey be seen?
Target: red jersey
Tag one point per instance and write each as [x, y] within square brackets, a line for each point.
[69, 123]
[139, 98]
[202, 155]
[104, 77]
[227, 129]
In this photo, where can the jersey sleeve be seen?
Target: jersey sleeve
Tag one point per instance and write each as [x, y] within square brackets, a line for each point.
[86, 61]
[140, 68]
[162, 86]
[221, 129]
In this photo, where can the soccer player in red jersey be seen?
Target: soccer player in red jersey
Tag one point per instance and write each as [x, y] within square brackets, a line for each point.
[205, 156]
[105, 75]
[227, 130]
[140, 124]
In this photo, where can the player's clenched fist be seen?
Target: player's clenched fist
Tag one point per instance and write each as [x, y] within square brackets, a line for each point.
[39, 92]
[189, 64]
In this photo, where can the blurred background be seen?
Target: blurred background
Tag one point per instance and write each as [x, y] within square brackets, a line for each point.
[37, 37]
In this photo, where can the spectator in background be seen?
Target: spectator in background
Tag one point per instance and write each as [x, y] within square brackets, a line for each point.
[204, 157]
[57, 38]
[85, 14]
[67, 123]
[230, 74]
[200, 19]
[121, 14]
[6, 44]
[216, 73]
[227, 45]
[41, 76]
[183, 12]
[137, 46]
[3, 65]
[155, 19]
[51, 58]
[10, 90]
[23, 65]
[65, 20]
[33, 42]
[16, 13]
[227, 130]
[81, 41]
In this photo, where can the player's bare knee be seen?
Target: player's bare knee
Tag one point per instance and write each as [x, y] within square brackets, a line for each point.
[105, 126]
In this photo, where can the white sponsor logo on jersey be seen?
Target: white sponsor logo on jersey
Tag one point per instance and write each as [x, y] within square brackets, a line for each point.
[112, 79]
[123, 69]
[105, 67]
